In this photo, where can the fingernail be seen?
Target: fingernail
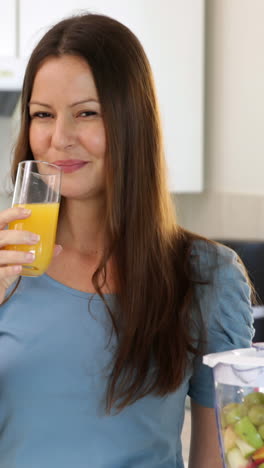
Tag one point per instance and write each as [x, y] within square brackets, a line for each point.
[25, 211]
[30, 256]
[34, 237]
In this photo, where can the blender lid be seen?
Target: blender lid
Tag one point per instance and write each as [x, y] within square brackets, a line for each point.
[246, 356]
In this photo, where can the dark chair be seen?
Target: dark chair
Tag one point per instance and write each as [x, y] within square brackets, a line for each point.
[252, 255]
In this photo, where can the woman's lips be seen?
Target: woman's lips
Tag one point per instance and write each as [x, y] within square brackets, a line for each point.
[70, 165]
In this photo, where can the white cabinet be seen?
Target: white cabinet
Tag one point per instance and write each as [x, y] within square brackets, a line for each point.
[8, 29]
[172, 33]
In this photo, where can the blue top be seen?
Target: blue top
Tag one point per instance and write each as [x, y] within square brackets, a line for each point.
[53, 372]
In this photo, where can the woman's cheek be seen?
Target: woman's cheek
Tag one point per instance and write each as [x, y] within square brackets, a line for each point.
[38, 140]
[95, 140]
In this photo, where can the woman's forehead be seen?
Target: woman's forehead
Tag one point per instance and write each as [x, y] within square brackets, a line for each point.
[65, 76]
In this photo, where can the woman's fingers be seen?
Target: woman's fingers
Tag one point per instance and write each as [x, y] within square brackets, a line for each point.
[11, 261]
[9, 237]
[14, 257]
[12, 214]
[8, 274]
[15, 237]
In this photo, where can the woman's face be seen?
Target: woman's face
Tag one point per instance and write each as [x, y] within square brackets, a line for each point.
[66, 125]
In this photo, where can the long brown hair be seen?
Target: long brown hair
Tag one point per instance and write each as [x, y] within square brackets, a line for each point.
[151, 252]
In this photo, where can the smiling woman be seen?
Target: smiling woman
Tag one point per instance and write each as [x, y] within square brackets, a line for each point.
[100, 352]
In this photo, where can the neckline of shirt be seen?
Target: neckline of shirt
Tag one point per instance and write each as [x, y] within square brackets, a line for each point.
[76, 292]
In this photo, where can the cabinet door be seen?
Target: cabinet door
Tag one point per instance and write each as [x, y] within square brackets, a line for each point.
[171, 32]
[8, 29]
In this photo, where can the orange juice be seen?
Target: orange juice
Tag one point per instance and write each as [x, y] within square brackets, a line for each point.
[43, 221]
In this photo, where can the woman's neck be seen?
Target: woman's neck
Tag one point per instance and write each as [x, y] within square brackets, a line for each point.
[81, 232]
[82, 226]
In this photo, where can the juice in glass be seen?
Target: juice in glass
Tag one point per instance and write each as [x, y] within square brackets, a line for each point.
[43, 221]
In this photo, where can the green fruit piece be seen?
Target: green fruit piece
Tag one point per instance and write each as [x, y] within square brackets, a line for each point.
[256, 414]
[254, 398]
[246, 449]
[261, 465]
[235, 459]
[245, 408]
[247, 431]
[261, 430]
[233, 412]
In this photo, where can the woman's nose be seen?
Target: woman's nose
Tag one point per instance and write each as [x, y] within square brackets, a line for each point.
[63, 134]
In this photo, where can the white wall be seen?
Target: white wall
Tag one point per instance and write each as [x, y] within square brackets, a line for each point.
[233, 202]
[235, 95]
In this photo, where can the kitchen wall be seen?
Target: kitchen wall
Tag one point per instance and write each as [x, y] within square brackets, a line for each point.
[232, 205]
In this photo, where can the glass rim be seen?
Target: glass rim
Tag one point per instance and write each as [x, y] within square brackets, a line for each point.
[32, 161]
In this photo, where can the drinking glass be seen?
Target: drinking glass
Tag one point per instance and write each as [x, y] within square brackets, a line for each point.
[37, 188]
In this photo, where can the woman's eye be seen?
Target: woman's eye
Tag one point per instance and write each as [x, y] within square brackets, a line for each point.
[40, 115]
[87, 113]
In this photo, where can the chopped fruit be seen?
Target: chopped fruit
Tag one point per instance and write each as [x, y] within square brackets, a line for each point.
[243, 432]
[233, 413]
[235, 459]
[246, 449]
[229, 438]
[254, 398]
[259, 455]
[222, 420]
[261, 430]
[256, 414]
[247, 431]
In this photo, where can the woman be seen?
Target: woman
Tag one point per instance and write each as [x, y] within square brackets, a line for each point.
[99, 353]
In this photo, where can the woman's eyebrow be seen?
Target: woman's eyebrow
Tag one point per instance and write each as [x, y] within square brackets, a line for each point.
[83, 101]
[38, 103]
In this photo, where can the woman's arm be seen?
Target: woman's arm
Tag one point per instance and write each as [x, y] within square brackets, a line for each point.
[204, 449]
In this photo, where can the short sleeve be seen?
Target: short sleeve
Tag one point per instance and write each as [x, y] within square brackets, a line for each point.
[225, 307]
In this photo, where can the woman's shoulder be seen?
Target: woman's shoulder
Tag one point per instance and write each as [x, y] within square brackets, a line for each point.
[224, 293]
[209, 258]
[210, 251]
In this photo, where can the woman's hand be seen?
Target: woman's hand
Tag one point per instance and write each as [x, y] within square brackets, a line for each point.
[11, 261]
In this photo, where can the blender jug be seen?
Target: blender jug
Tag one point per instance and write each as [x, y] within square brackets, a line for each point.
[239, 400]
